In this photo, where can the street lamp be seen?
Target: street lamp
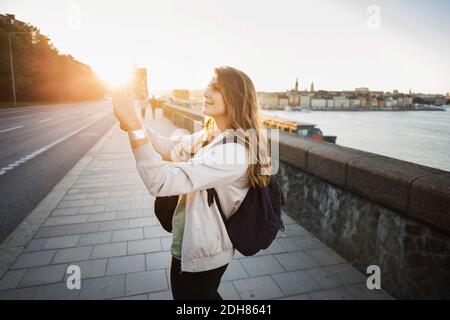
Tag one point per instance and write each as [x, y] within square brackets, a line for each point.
[12, 63]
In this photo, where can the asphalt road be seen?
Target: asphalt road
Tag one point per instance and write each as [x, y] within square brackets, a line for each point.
[38, 146]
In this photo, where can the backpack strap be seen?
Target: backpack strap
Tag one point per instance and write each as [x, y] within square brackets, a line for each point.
[212, 193]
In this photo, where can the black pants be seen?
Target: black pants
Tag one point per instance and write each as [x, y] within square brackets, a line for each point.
[195, 285]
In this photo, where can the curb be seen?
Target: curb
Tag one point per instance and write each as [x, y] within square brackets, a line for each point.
[16, 242]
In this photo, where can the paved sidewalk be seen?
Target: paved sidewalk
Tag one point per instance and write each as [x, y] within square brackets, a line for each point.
[100, 217]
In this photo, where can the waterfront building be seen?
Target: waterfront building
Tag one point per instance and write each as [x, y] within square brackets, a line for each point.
[362, 90]
[283, 100]
[341, 102]
[355, 103]
[330, 103]
[268, 100]
[181, 94]
[374, 102]
[305, 101]
[318, 103]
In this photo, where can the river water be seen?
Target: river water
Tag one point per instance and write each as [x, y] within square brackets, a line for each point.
[421, 137]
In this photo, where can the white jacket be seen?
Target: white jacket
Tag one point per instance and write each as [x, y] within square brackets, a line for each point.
[206, 244]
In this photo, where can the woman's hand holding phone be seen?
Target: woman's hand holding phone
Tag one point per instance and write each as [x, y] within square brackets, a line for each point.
[123, 108]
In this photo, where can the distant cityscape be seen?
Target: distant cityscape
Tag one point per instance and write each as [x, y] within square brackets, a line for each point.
[312, 99]
[358, 99]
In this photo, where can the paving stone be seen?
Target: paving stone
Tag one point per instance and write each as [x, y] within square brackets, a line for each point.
[106, 201]
[296, 260]
[72, 254]
[36, 245]
[95, 238]
[228, 292]
[136, 297]
[166, 243]
[274, 248]
[83, 228]
[113, 225]
[128, 234]
[296, 282]
[58, 291]
[141, 205]
[46, 232]
[332, 294]
[65, 212]
[78, 196]
[117, 206]
[361, 292]
[345, 274]
[325, 256]
[162, 295]
[155, 232]
[103, 288]
[11, 279]
[61, 220]
[18, 294]
[105, 216]
[131, 199]
[116, 194]
[97, 195]
[323, 278]
[144, 246]
[287, 244]
[92, 209]
[76, 203]
[109, 250]
[33, 259]
[158, 260]
[62, 242]
[143, 222]
[287, 220]
[43, 275]
[146, 282]
[91, 268]
[308, 243]
[293, 230]
[259, 288]
[130, 214]
[126, 264]
[297, 297]
[262, 265]
[234, 271]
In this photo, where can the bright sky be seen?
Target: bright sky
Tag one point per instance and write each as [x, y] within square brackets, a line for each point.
[339, 45]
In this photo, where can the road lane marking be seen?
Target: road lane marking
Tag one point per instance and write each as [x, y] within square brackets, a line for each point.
[13, 128]
[43, 149]
[45, 120]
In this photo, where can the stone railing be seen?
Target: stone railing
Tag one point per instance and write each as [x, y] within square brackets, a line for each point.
[371, 209]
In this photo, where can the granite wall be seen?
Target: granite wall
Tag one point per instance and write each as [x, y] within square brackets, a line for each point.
[371, 209]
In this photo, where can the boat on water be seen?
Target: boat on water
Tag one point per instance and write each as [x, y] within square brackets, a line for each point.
[302, 129]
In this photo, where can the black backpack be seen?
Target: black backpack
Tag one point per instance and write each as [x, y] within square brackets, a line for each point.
[256, 222]
[252, 227]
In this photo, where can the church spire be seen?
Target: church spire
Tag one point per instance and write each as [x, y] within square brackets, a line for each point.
[296, 84]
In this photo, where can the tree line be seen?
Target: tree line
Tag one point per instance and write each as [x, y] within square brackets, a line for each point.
[41, 73]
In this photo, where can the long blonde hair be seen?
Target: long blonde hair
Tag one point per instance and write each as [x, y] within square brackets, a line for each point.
[242, 112]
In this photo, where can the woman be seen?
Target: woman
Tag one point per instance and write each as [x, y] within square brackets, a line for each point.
[201, 249]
